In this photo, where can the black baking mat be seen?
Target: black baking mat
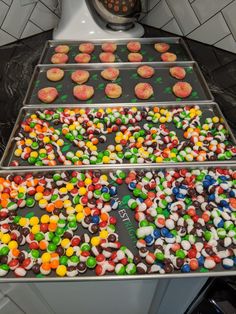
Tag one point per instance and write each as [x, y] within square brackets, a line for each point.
[148, 51]
[208, 111]
[162, 83]
[125, 228]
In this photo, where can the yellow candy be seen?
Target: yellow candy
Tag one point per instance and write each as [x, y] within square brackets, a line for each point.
[54, 219]
[34, 154]
[60, 142]
[67, 203]
[118, 139]
[79, 216]
[51, 156]
[33, 116]
[23, 221]
[44, 219]
[82, 111]
[189, 157]
[61, 270]
[12, 245]
[32, 134]
[28, 142]
[65, 243]
[95, 241]
[119, 148]
[46, 257]
[1, 234]
[35, 229]
[103, 234]
[159, 159]
[6, 238]
[18, 152]
[198, 112]
[43, 203]
[79, 153]
[89, 144]
[69, 251]
[82, 191]
[104, 177]
[42, 151]
[199, 144]
[72, 127]
[63, 190]
[22, 189]
[46, 139]
[205, 127]
[70, 210]
[215, 119]
[106, 159]
[38, 196]
[162, 119]
[172, 155]
[88, 181]
[93, 148]
[34, 221]
[79, 208]
[69, 186]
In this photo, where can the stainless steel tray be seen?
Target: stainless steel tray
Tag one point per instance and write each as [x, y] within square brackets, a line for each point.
[162, 83]
[123, 229]
[208, 110]
[177, 46]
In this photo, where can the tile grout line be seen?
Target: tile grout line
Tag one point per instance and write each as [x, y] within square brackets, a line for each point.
[209, 18]
[28, 19]
[195, 13]
[227, 24]
[48, 8]
[5, 16]
[180, 27]
[168, 22]
[221, 39]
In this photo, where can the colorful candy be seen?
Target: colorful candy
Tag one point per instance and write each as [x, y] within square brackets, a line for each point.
[114, 135]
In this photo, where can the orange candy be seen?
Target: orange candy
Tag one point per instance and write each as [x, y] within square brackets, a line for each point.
[43, 245]
[50, 207]
[104, 217]
[58, 204]
[52, 226]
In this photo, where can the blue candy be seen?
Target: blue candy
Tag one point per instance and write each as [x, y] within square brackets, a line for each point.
[113, 190]
[105, 189]
[164, 232]
[201, 260]
[95, 219]
[114, 204]
[185, 268]
[149, 240]
[211, 197]
[132, 185]
[175, 191]
[156, 234]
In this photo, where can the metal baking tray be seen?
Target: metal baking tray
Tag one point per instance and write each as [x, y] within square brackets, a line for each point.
[126, 226]
[161, 82]
[177, 46]
[208, 110]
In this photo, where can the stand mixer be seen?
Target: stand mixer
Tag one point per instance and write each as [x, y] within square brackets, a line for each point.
[99, 19]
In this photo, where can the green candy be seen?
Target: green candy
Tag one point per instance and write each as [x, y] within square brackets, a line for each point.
[144, 223]
[130, 269]
[56, 240]
[85, 247]
[180, 253]
[51, 247]
[39, 236]
[35, 254]
[120, 269]
[160, 256]
[4, 250]
[208, 235]
[74, 259]
[30, 202]
[63, 260]
[91, 262]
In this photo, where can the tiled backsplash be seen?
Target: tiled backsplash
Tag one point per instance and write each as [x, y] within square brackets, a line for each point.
[23, 18]
[209, 21]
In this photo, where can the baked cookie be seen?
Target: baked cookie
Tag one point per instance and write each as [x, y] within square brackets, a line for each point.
[47, 94]
[143, 90]
[182, 89]
[59, 58]
[110, 74]
[80, 76]
[55, 74]
[83, 92]
[113, 90]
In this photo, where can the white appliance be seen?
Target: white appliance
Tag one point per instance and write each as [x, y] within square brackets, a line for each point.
[84, 20]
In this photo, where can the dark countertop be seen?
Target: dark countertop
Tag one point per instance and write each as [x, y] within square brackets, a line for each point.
[19, 59]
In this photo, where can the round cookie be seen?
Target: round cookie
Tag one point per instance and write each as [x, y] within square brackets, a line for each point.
[109, 47]
[182, 89]
[168, 57]
[135, 57]
[162, 47]
[82, 58]
[80, 76]
[86, 48]
[83, 92]
[47, 94]
[55, 74]
[134, 46]
[178, 72]
[143, 90]
[113, 90]
[62, 49]
[110, 74]
[107, 57]
[59, 58]
[145, 71]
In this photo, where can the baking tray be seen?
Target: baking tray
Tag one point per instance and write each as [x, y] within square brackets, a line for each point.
[177, 46]
[125, 227]
[208, 110]
[162, 83]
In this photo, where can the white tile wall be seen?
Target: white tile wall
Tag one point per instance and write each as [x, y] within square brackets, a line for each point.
[184, 15]
[211, 31]
[159, 15]
[23, 18]
[209, 21]
[204, 9]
